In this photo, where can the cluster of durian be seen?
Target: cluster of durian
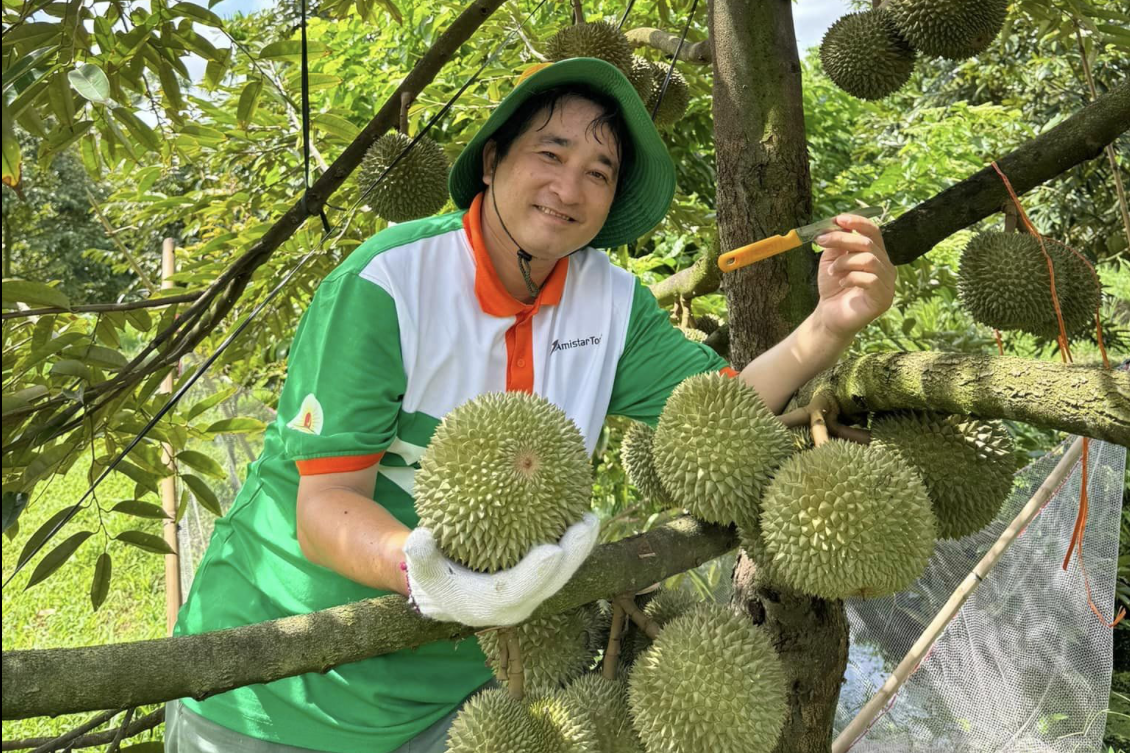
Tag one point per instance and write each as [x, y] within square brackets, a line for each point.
[414, 187]
[871, 54]
[709, 681]
[1003, 282]
[604, 41]
[835, 521]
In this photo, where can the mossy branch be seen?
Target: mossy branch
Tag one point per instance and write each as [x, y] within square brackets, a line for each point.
[69, 680]
[1085, 400]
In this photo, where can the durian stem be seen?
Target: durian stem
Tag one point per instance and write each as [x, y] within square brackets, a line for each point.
[850, 433]
[503, 656]
[817, 422]
[1010, 217]
[405, 102]
[612, 653]
[645, 623]
[878, 702]
[515, 678]
[578, 13]
[795, 418]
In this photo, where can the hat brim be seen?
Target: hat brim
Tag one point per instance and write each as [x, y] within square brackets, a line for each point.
[648, 186]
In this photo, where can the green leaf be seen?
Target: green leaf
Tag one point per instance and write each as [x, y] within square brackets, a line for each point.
[48, 461]
[317, 81]
[202, 463]
[242, 425]
[196, 13]
[204, 134]
[139, 509]
[248, 102]
[291, 50]
[89, 81]
[56, 557]
[145, 541]
[12, 75]
[23, 398]
[42, 533]
[139, 130]
[210, 402]
[99, 355]
[146, 481]
[100, 585]
[336, 126]
[33, 293]
[71, 368]
[10, 146]
[66, 134]
[32, 35]
[203, 493]
[14, 504]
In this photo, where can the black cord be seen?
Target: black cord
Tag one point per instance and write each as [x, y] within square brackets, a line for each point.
[306, 127]
[674, 59]
[176, 397]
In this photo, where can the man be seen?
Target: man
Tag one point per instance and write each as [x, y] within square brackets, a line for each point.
[510, 294]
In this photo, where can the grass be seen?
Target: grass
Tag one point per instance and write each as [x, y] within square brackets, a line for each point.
[57, 612]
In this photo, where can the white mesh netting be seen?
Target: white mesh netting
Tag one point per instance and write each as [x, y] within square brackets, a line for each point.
[1025, 665]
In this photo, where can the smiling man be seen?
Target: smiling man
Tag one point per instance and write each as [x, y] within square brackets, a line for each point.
[512, 292]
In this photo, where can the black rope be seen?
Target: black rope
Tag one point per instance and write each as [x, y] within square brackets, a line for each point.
[624, 17]
[306, 127]
[674, 58]
[176, 397]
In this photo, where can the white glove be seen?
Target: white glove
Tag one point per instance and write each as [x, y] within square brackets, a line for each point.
[445, 590]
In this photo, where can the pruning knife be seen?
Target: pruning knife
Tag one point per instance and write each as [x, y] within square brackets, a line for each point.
[763, 249]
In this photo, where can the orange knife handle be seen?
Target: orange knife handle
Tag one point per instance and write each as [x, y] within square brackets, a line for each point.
[754, 252]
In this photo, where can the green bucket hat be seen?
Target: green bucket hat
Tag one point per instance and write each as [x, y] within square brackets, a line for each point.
[646, 189]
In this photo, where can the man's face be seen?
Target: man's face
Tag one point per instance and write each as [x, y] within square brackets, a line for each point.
[556, 184]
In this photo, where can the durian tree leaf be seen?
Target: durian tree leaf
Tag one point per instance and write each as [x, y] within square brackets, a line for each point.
[23, 398]
[14, 504]
[11, 158]
[32, 35]
[70, 367]
[202, 463]
[54, 559]
[41, 534]
[203, 493]
[248, 102]
[336, 126]
[139, 509]
[145, 135]
[89, 81]
[210, 402]
[33, 294]
[196, 13]
[100, 583]
[146, 542]
[240, 425]
[290, 50]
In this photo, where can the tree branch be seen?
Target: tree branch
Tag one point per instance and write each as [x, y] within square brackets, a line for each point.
[60, 681]
[667, 43]
[1083, 400]
[104, 307]
[136, 727]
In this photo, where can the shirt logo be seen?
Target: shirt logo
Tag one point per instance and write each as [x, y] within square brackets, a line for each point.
[309, 418]
[580, 342]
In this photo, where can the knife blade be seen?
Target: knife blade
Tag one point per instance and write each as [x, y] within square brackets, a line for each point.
[776, 244]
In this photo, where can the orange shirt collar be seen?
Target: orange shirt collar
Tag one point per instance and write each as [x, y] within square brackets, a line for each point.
[493, 297]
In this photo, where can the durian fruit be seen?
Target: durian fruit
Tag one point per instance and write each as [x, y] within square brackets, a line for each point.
[642, 79]
[865, 55]
[707, 323]
[415, 187]
[675, 100]
[768, 574]
[570, 722]
[847, 520]
[692, 334]
[710, 682]
[664, 606]
[967, 464]
[493, 722]
[606, 702]
[596, 40]
[636, 455]
[555, 649]
[953, 29]
[715, 447]
[1003, 282]
[503, 473]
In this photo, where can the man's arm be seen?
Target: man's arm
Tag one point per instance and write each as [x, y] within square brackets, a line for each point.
[340, 527]
[857, 284]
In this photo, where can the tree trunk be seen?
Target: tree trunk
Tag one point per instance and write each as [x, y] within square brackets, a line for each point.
[763, 188]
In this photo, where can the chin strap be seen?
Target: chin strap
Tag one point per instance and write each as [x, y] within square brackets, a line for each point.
[523, 255]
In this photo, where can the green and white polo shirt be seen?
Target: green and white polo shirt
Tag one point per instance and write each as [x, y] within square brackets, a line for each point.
[414, 323]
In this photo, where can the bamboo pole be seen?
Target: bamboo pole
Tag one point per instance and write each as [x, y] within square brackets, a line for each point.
[169, 483]
[867, 715]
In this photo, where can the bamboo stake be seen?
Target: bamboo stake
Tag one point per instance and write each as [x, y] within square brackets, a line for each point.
[169, 483]
[867, 715]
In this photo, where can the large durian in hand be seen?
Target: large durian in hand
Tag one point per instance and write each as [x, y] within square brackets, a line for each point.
[606, 704]
[1003, 282]
[639, 463]
[954, 29]
[715, 447]
[596, 40]
[967, 464]
[415, 187]
[710, 682]
[494, 722]
[555, 649]
[503, 473]
[847, 520]
[865, 56]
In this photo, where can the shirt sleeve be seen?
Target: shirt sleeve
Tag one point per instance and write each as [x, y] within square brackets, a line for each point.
[345, 379]
[656, 358]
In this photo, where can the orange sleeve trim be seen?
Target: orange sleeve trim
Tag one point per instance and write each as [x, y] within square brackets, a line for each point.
[728, 371]
[343, 464]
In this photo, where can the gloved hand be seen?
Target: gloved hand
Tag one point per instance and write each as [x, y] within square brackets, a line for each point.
[445, 590]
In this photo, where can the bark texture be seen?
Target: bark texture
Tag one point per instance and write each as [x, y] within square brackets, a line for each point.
[61, 681]
[764, 189]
